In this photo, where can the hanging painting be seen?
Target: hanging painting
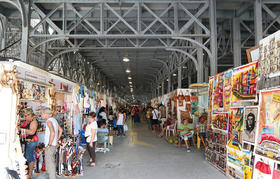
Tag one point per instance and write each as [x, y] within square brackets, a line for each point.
[227, 89]
[244, 83]
[220, 121]
[235, 128]
[210, 93]
[31, 91]
[218, 88]
[236, 161]
[268, 135]
[250, 124]
[194, 104]
[266, 168]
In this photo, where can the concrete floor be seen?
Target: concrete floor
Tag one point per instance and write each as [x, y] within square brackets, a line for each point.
[141, 154]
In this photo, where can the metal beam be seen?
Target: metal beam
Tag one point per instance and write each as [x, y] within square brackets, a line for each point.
[213, 41]
[258, 21]
[236, 42]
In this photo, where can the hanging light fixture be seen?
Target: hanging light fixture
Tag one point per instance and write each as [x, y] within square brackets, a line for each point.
[174, 74]
[129, 78]
[125, 59]
[130, 82]
[127, 71]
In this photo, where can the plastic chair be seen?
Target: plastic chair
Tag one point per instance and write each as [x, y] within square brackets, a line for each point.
[101, 141]
[171, 129]
[181, 137]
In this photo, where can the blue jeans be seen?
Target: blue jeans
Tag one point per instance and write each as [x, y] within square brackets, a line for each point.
[29, 153]
[120, 130]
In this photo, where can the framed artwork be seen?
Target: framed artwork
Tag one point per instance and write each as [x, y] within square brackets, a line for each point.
[250, 124]
[235, 128]
[31, 91]
[244, 83]
[210, 93]
[220, 121]
[218, 92]
[227, 89]
[268, 134]
[253, 54]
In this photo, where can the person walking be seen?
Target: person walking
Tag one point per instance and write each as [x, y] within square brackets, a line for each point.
[52, 135]
[29, 137]
[121, 122]
[91, 137]
[155, 121]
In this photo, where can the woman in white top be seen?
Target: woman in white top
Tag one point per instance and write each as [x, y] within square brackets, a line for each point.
[120, 122]
[91, 137]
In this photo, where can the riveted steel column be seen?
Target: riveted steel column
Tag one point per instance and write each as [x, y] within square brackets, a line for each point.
[236, 42]
[213, 41]
[258, 21]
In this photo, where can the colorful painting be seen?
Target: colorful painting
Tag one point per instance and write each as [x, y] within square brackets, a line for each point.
[227, 89]
[250, 124]
[30, 91]
[194, 104]
[210, 93]
[235, 128]
[265, 168]
[237, 160]
[268, 135]
[218, 88]
[244, 83]
[220, 121]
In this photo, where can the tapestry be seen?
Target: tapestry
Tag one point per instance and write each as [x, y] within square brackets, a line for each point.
[235, 128]
[268, 135]
[250, 124]
[227, 89]
[244, 83]
[218, 88]
[220, 121]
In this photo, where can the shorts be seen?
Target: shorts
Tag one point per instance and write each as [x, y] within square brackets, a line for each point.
[29, 153]
[155, 121]
[203, 135]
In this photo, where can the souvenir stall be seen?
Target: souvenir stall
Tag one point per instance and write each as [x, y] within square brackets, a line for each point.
[232, 96]
[25, 86]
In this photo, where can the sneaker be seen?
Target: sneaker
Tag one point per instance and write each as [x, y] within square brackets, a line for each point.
[188, 150]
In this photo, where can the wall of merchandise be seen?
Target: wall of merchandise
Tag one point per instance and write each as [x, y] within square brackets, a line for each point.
[244, 116]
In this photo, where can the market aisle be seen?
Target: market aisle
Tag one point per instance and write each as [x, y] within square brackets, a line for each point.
[141, 155]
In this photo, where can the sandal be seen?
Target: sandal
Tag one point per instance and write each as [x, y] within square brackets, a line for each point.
[92, 164]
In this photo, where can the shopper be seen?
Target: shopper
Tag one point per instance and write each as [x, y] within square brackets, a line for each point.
[120, 122]
[52, 135]
[186, 131]
[103, 128]
[201, 128]
[28, 130]
[155, 121]
[91, 137]
[102, 113]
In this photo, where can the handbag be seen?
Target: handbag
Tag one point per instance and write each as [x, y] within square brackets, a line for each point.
[125, 128]
[263, 167]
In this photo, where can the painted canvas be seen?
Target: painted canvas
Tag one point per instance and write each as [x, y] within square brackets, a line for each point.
[210, 93]
[264, 168]
[250, 124]
[218, 88]
[235, 128]
[237, 160]
[220, 121]
[227, 89]
[244, 83]
[268, 135]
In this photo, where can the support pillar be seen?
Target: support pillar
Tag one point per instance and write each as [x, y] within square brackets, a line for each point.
[158, 91]
[236, 42]
[25, 35]
[169, 84]
[3, 21]
[179, 77]
[199, 55]
[258, 21]
[162, 88]
[213, 33]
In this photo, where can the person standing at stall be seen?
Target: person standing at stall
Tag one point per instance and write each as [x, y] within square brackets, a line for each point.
[120, 122]
[91, 137]
[29, 137]
[52, 135]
